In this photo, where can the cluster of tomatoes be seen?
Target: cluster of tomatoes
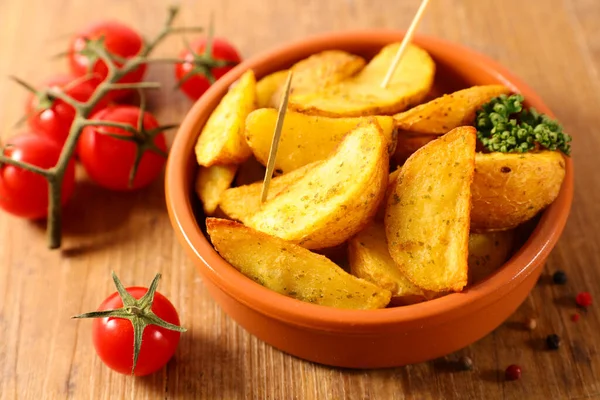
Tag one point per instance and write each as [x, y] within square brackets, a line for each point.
[107, 153]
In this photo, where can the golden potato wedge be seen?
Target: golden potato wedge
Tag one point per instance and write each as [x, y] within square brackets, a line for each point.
[292, 270]
[363, 95]
[304, 138]
[222, 141]
[448, 111]
[511, 188]
[241, 202]
[427, 215]
[370, 260]
[336, 199]
[250, 171]
[488, 251]
[407, 143]
[320, 70]
[211, 182]
[267, 86]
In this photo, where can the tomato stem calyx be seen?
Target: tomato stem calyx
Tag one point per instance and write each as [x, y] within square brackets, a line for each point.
[137, 311]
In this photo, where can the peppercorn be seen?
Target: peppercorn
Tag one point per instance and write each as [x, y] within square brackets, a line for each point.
[512, 373]
[584, 299]
[575, 317]
[553, 341]
[465, 363]
[531, 324]
[559, 278]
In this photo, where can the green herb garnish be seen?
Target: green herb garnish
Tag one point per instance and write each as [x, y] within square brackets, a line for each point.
[504, 125]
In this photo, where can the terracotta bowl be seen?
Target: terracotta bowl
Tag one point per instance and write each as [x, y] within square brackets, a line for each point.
[352, 338]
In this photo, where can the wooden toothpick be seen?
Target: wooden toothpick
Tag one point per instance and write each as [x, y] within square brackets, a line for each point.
[276, 136]
[404, 45]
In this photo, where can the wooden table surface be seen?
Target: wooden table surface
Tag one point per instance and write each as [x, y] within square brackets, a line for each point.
[554, 45]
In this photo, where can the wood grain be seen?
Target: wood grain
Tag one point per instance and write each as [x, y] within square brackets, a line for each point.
[554, 45]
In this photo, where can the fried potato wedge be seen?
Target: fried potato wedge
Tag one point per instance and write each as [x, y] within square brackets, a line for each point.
[241, 202]
[211, 182]
[222, 141]
[304, 138]
[292, 270]
[370, 260]
[488, 251]
[336, 199]
[427, 215]
[407, 143]
[363, 95]
[318, 71]
[267, 86]
[511, 188]
[448, 111]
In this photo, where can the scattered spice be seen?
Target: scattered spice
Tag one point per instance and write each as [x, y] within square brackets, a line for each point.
[575, 317]
[559, 277]
[553, 341]
[512, 373]
[584, 299]
[531, 324]
[465, 363]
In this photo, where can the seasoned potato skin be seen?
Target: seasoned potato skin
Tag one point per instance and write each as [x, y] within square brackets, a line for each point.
[335, 200]
[241, 202]
[304, 138]
[222, 140]
[211, 182]
[318, 71]
[511, 188]
[370, 260]
[362, 95]
[292, 270]
[488, 251]
[448, 111]
[427, 215]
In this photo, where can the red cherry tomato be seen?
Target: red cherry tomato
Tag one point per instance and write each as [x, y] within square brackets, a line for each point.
[195, 86]
[24, 193]
[113, 337]
[119, 39]
[55, 121]
[108, 161]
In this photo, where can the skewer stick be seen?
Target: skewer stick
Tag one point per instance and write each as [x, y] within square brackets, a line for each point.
[404, 45]
[276, 136]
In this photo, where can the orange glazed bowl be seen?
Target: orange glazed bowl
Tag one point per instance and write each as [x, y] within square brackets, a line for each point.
[361, 338]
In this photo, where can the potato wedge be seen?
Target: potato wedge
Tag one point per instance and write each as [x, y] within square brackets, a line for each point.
[211, 182]
[241, 202]
[407, 143]
[427, 215]
[320, 70]
[363, 95]
[511, 188]
[222, 141]
[448, 111]
[487, 252]
[267, 86]
[304, 138]
[370, 260]
[336, 199]
[292, 270]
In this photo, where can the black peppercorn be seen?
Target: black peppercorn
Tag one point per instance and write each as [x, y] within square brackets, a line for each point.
[553, 341]
[559, 277]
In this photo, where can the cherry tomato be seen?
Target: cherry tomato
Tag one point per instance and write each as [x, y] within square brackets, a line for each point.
[55, 121]
[24, 193]
[195, 86]
[119, 39]
[113, 337]
[108, 160]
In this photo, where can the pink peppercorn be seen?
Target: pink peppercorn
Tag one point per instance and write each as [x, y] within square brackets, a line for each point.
[512, 373]
[575, 317]
[584, 299]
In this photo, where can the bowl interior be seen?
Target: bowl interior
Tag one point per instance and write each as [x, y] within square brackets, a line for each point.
[456, 68]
